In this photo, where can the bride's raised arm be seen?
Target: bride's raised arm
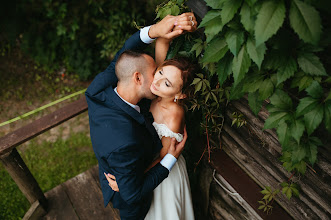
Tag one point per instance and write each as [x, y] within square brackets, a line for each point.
[161, 50]
[184, 23]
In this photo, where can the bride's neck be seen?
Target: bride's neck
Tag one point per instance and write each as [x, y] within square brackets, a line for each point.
[165, 101]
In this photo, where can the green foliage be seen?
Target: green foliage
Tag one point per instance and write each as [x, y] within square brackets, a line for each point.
[238, 119]
[305, 21]
[80, 36]
[269, 19]
[290, 189]
[267, 49]
[269, 196]
[172, 7]
[271, 50]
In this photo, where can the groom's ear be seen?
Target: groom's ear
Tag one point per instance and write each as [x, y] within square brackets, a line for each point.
[137, 78]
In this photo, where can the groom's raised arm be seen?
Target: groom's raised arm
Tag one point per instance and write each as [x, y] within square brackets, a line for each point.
[138, 41]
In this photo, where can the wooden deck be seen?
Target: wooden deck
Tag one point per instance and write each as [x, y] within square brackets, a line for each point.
[79, 198]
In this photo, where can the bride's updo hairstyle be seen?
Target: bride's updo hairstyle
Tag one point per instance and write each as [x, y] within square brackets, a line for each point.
[188, 71]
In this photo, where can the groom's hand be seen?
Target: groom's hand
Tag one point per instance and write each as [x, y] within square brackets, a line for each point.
[164, 28]
[176, 149]
[112, 182]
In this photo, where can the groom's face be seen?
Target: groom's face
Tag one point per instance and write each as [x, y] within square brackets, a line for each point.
[149, 77]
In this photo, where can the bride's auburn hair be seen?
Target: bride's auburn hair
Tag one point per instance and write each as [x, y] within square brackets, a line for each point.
[187, 72]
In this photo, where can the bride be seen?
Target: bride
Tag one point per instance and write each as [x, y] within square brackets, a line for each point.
[172, 199]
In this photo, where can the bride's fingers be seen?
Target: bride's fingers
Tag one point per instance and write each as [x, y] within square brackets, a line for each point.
[174, 34]
[186, 17]
[188, 26]
[185, 135]
[111, 176]
[187, 14]
[108, 178]
[172, 144]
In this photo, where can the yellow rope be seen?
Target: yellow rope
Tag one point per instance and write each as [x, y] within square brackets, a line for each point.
[42, 107]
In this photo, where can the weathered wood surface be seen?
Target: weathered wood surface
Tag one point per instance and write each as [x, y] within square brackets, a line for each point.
[35, 212]
[243, 183]
[21, 174]
[199, 7]
[14, 139]
[79, 198]
[257, 151]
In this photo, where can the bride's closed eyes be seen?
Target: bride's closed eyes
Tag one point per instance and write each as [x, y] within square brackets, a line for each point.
[166, 82]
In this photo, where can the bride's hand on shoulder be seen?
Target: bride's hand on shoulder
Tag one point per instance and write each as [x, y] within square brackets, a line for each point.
[176, 148]
[112, 182]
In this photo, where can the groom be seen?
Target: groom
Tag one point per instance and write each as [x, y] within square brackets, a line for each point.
[123, 139]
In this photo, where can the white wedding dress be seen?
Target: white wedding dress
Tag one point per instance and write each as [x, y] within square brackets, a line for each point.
[172, 199]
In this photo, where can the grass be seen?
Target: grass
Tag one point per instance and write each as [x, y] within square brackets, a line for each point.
[51, 164]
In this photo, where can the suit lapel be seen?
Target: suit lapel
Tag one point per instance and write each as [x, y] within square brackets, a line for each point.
[145, 119]
[122, 105]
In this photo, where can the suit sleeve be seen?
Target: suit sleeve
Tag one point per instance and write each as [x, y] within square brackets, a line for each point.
[108, 77]
[126, 165]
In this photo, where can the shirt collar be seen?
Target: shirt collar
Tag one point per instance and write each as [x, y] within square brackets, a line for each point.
[136, 107]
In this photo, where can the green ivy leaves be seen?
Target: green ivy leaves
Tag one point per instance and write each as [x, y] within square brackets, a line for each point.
[269, 20]
[215, 50]
[311, 64]
[256, 53]
[305, 21]
[280, 106]
[170, 8]
[240, 65]
[234, 39]
[313, 107]
[266, 49]
[212, 23]
[229, 9]
[286, 70]
[290, 189]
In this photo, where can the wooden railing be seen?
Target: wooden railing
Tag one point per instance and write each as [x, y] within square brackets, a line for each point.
[12, 160]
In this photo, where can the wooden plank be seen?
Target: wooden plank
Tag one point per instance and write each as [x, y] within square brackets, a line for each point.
[35, 212]
[86, 198]
[199, 7]
[23, 178]
[257, 124]
[312, 188]
[60, 206]
[299, 208]
[243, 184]
[95, 173]
[21, 135]
[315, 190]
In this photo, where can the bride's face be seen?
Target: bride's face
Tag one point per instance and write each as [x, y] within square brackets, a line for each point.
[167, 82]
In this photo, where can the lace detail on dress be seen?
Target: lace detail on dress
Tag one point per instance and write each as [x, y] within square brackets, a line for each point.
[163, 131]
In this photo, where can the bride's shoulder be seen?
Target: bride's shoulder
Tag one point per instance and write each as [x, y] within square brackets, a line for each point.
[176, 118]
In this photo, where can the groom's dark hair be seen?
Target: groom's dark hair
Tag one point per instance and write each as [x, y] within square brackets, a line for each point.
[128, 63]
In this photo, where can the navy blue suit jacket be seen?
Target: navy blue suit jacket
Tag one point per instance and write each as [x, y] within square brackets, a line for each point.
[123, 142]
